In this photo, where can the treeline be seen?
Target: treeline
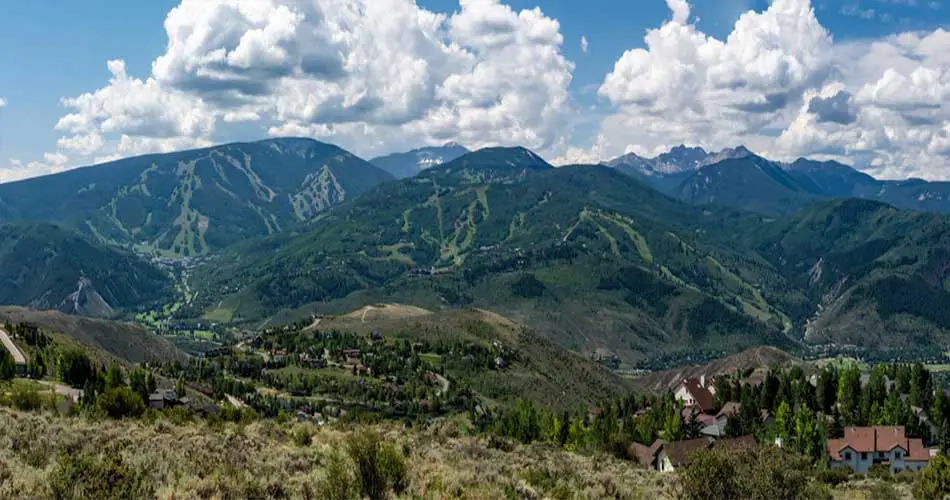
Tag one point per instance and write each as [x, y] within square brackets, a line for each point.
[799, 410]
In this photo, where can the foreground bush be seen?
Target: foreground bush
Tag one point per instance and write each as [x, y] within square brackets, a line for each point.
[766, 473]
[379, 467]
[934, 481]
[121, 402]
[103, 478]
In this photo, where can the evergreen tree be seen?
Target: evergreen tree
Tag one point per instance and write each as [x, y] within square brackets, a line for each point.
[564, 429]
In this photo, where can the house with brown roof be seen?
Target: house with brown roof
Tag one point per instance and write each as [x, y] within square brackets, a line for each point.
[863, 447]
[667, 456]
[696, 392]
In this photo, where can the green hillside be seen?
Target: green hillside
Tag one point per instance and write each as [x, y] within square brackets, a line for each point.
[584, 254]
[41, 266]
[103, 340]
[878, 276]
[463, 340]
[751, 183]
[192, 202]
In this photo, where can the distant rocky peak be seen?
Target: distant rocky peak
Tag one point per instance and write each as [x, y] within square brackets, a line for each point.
[728, 154]
[684, 156]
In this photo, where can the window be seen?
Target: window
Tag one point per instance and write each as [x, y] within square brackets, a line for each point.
[897, 455]
[847, 455]
[864, 455]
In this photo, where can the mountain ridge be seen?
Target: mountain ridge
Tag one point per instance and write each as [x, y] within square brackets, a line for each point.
[192, 202]
[410, 163]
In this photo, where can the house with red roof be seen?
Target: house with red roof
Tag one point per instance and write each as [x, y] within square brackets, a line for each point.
[863, 447]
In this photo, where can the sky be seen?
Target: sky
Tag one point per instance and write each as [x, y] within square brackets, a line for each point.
[865, 82]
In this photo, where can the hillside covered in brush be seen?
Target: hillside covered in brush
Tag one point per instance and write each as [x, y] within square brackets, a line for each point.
[192, 202]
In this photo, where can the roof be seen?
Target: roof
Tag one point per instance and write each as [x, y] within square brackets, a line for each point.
[715, 430]
[877, 439]
[163, 395]
[703, 397]
[729, 409]
[703, 419]
[736, 442]
[860, 439]
[679, 452]
[645, 455]
[890, 437]
[834, 448]
[917, 451]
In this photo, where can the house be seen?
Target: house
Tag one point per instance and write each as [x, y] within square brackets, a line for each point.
[351, 356]
[704, 419]
[163, 398]
[672, 455]
[696, 392]
[666, 456]
[863, 447]
[646, 455]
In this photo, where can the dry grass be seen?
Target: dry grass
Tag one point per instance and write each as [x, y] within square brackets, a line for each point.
[263, 460]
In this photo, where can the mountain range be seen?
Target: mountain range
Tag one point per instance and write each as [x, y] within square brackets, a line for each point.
[739, 178]
[683, 255]
[193, 202]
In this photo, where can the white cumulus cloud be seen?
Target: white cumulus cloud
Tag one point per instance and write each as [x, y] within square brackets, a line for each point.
[370, 75]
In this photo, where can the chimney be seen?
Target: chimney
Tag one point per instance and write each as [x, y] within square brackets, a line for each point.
[702, 380]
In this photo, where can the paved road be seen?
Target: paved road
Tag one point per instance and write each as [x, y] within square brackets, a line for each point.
[64, 390]
[235, 402]
[18, 356]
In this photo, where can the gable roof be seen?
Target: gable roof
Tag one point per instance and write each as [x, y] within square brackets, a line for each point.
[646, 455]
[704, 398]
[877, 439]
[890, 437]
[917, 451]
[679, 452]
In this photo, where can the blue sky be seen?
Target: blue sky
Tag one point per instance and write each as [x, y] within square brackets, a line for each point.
[62, 48]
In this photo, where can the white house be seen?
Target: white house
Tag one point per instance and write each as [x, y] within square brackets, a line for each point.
[695, 392]
[863, 447]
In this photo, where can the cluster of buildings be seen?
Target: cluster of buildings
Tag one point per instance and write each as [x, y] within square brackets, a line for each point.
[859, 449]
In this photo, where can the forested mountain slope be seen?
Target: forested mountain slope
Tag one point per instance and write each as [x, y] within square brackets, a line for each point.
[45, 266]
[192, 202]
[588, 255]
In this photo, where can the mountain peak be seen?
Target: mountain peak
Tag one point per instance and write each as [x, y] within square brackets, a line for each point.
[500, 162]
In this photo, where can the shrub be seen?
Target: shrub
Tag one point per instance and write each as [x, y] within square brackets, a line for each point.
[880, 472]
[121, 402]
[339, 482]
[103, 478]
[379, 467]
[834, 477]
[882, 491]
[756, 473]
[934, 481]
[302, 436]
[26, 398]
